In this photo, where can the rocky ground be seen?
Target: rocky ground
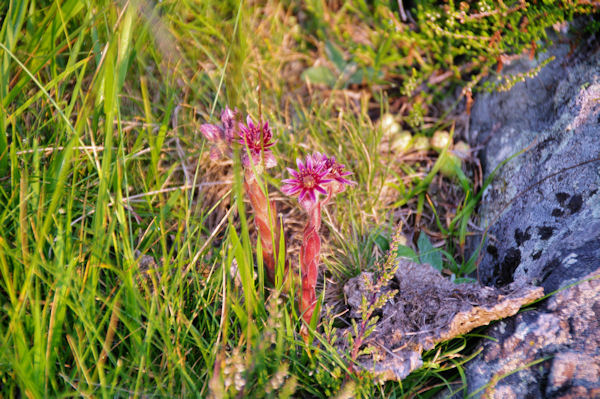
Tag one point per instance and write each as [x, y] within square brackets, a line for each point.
[543, 213]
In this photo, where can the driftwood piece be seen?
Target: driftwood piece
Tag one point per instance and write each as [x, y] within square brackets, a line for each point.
[429, 309]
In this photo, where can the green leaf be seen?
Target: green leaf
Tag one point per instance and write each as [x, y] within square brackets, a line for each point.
[382, 242]
[319, 75]
[468, 280]
[429, 254]
[357, 77]
[335, 55]
[406, 252]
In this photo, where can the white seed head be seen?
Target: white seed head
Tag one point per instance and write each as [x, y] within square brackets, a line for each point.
[389, 125]
[462, 150]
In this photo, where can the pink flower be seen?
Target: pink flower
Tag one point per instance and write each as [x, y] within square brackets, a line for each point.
[308, 181]
[222, 136]
[337, 173]
[256, 143]
[228, 118]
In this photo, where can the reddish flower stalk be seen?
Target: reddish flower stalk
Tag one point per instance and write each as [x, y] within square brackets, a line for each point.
[256, 156]
[265, 222]
[309, 262]
[318, 175]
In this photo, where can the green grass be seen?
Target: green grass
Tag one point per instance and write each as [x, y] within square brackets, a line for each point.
[119, 234]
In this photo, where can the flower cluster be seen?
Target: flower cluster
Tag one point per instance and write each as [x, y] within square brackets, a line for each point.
[257, 142]
[255, 138]
[338, 175]
[318, 174]
[221, 136]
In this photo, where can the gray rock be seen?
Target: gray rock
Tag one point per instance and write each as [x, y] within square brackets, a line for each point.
[550, 352]
[544, 205]
[425, 308]
[543, 213]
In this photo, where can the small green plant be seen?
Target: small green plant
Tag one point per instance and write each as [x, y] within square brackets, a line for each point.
[374, 299]
[344, 72]
[428, 50]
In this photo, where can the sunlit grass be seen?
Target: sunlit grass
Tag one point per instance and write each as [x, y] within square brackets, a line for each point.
[127, 258]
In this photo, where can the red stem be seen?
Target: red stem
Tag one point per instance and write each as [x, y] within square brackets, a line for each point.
[264, 221]
[309, 262]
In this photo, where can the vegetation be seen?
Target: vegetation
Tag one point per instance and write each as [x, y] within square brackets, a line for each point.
[129, 265]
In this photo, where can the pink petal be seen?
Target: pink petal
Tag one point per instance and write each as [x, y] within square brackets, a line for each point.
[245, 160]
[227, 116]
[210, 132]
[269, 159]
[302, 195]
[346, 181]
[243, 130]
[250, 122]
[290, 189]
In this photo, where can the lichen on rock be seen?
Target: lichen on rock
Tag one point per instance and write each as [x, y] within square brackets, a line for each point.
[542, 214]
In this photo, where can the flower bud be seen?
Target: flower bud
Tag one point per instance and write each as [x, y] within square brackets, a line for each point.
[420, 143]
[450, 164]
[402, 142]
[388, 125]
[462, 150]
[440, 140]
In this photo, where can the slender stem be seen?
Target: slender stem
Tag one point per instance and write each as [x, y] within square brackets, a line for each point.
[309, 262]
[265, 221]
